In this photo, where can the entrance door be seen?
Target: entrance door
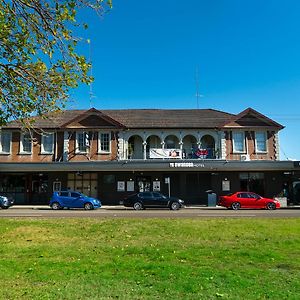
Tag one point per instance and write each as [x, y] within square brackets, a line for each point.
[252, 182]
[296, 192]
[144, 184]
[85, 183]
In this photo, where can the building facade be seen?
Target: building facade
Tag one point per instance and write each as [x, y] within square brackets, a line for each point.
[112, 153]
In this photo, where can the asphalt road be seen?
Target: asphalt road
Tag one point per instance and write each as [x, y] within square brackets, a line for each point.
[122, 212]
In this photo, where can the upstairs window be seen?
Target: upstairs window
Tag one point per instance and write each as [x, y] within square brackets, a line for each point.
[104, 142]
[5, 141]
[47, 143]
[82, 142]
[26, 143]
[261, 141]
[238, 140]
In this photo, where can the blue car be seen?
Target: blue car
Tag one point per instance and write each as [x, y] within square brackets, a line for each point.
[72, 199]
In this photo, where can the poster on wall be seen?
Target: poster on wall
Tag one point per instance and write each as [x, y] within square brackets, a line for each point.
[56, 186]
[156, 186]
[165, 153]
[121, 186]
[130, 186]
[225, 185]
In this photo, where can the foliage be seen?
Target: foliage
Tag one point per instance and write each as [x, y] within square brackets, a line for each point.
[102, 258]
[38, 59]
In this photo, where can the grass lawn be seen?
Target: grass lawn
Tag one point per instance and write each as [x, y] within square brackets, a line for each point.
[150, 259]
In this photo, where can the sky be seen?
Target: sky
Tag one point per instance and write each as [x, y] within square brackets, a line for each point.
[238, 54]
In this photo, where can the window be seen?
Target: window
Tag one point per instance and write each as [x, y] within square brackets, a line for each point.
[82, 142]
[47, 143]
[238, 139]
[75, 195]
[5, 140]
[261, 141]
[104, 142]
[26, 144]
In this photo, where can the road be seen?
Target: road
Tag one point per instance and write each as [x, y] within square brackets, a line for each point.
[121, 212]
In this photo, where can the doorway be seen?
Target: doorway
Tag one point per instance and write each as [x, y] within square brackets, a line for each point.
[252, 182]
[144, 184]
[85, 183]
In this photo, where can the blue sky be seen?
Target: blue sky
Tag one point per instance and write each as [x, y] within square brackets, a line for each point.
[145, 55]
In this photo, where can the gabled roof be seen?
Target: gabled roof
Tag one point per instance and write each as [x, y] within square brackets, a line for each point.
[251, 118]
[92, 112]
[170, 118]
[153, 118]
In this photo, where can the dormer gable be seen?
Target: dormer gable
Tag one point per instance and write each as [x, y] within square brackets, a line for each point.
[92, 119]
[250, 118]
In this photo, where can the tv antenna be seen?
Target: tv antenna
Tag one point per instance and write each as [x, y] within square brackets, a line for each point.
[198, 95]
[91, 94]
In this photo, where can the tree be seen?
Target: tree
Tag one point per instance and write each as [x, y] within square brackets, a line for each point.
[38, 59]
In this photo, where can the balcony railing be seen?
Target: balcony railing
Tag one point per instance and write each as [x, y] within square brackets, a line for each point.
[208, 153]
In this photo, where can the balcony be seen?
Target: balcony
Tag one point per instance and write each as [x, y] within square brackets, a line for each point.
[159, 153]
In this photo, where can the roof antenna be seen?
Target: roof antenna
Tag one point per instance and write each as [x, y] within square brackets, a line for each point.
[198, 95]
[91, 94]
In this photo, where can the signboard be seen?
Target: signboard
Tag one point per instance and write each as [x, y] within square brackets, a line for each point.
[225, 185]
[156, 186]
[56, 186]
[121, 186]
[165, 153]
[130, 186]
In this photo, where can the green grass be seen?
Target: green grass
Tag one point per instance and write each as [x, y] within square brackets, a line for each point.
[150, 259]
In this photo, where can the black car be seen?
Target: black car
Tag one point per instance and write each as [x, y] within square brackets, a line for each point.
[152, 199]
[6, 201]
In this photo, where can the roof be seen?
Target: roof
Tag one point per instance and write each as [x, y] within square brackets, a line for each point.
[142, 118]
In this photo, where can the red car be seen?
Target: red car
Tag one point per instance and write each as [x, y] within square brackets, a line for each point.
[247, 200]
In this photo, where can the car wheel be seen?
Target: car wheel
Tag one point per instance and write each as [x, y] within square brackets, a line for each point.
[88, 206]
[235, 205]
[271, 206]
[175, 206]
[55, 206]
[138, 206]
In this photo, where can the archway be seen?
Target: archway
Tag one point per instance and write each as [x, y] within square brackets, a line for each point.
[189, 146]
[171, 142]
[207, 146]
[135, 147]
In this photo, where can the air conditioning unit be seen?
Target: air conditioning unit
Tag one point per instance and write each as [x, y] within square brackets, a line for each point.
[245, 157]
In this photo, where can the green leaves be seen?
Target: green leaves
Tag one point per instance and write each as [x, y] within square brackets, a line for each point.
[38, 59]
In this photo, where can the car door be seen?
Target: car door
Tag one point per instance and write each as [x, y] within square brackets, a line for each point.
[159, 200]
[64, 200]
[76, 200]
[257, 201]
[243, 199]
[147, 199]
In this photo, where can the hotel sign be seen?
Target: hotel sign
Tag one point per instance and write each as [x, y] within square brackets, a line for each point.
[186, 165]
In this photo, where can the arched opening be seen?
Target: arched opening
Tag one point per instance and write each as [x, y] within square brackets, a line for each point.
[189, 146]
[153, 142]
[135, 147]
[171, 142]
[207, 147]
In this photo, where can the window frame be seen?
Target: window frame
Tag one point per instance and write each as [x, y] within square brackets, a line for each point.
[77, 150]
[23, 134]
[234, 150]
[100, 133]
[266, 144]
[43, 143]
[10, 141]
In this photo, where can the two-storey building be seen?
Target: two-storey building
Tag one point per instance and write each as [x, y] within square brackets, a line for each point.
[112, 153]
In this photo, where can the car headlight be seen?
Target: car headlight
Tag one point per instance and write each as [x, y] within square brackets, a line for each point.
[181, 201]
